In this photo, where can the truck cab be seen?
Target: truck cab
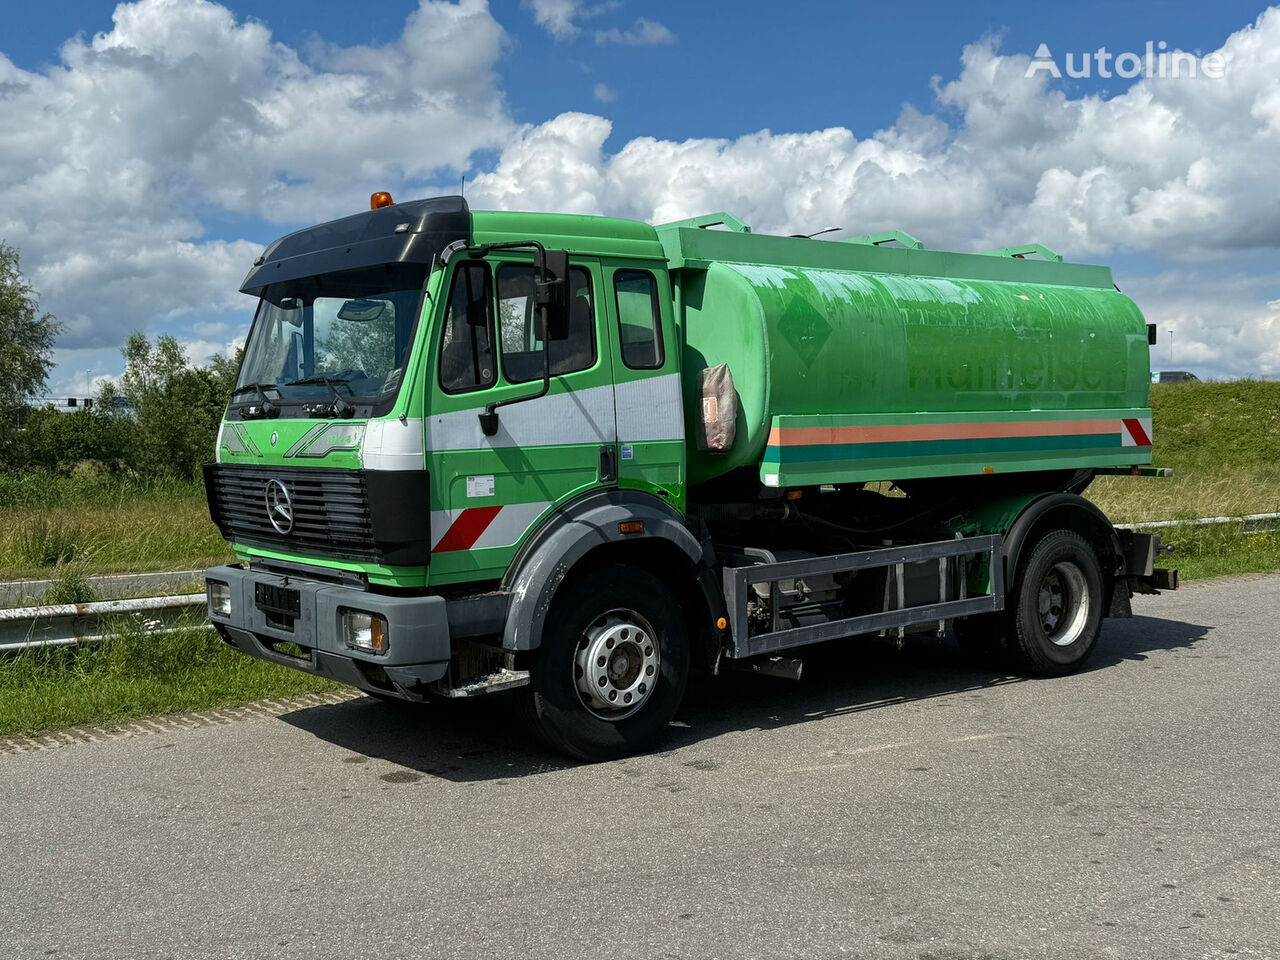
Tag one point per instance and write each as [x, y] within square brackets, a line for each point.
[408, 416]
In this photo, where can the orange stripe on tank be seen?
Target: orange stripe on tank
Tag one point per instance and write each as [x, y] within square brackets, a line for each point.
[896, 433]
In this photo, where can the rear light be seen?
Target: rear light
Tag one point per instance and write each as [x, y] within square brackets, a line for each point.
[219, 596]
[365, 631]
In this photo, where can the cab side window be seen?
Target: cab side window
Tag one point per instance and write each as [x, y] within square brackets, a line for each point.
[521, 349]
[639, 319]
[466, 350]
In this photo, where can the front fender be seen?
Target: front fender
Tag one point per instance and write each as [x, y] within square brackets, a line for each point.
[567, 536]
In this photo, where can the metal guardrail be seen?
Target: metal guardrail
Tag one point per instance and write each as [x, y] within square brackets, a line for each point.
[66, 624]
[1252, 523]
[61, 625]
[107, 585]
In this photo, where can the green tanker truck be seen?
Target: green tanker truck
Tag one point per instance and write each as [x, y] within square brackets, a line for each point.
[574, 457]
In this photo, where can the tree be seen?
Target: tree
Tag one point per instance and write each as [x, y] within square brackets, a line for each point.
[60, 442]
[26, 345]
[367, 346]
[178, 407]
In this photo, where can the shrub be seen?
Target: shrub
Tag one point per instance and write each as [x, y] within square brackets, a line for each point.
[45, 543]
[70, 586]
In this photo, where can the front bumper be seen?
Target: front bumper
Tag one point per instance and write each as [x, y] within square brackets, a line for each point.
[417, 654]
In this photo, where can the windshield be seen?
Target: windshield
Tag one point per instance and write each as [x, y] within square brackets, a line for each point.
[341, 335]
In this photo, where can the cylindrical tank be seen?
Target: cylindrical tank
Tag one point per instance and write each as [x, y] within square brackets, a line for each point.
[803, 340]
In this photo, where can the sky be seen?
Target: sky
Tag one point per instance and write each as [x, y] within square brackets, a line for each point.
[150, 150]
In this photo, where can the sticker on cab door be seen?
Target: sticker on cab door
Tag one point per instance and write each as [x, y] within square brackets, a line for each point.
[480, 486]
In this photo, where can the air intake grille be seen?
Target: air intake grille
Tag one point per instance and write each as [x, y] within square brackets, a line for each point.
[331, 516]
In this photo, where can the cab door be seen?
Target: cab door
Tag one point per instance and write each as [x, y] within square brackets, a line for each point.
[646, 370]
[489, 492]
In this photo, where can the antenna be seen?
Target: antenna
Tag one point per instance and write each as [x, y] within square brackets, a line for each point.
[464, 184]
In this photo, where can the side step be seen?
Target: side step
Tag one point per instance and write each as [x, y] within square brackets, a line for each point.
[495, 682]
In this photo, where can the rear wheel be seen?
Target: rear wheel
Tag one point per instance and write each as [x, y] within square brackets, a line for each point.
[1056, 615]
[1053, 614]
[612, 666]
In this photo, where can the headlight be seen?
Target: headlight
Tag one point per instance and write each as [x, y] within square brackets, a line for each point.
[219, 595]
[365, 631]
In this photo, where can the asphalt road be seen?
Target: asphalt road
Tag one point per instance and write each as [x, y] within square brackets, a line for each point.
[890, 804]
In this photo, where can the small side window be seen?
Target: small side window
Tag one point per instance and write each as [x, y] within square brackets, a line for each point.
[466, 347]
[639, 319]
[521, 349]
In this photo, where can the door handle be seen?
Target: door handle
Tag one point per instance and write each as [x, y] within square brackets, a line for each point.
[608, 463]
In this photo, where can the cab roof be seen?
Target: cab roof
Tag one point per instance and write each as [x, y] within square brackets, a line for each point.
[577, 233]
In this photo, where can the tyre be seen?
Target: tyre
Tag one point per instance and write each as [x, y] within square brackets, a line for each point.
[1056, 615]
[611, 669]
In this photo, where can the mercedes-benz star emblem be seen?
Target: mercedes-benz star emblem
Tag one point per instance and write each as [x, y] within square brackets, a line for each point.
[274, 437]
[279, 506]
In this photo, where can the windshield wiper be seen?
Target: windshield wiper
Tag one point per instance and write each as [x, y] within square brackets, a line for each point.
[320, 378]
[340, 407]
[266, 409]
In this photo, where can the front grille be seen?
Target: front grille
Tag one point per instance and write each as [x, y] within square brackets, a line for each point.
[331, 516]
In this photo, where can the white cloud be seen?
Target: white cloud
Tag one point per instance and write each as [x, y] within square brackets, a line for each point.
[200, 352]
[604, 93]
[642, 33]
[110, 161]
[556, 17]
[81, 373]
[1179, 171]
[1169, 166]
[559, 17]
[1224, 322]
[180, 109]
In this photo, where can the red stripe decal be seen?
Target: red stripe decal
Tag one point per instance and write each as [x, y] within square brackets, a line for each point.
[466, 530]
[1139, 435]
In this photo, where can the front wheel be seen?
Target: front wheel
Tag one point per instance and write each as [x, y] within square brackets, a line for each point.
[612, 666]
[1057, 612]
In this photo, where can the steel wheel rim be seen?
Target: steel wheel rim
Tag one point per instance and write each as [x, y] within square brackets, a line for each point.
[616, 665]
[1062, 603]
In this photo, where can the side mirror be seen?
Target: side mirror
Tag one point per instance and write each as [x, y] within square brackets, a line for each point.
[551, 297]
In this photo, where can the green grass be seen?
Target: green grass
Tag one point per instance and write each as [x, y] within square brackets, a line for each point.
[42, 542]
[105, 524]
[1219, 551]
[135, 674]
[67, 528]
[70, 585]
[1222, 441]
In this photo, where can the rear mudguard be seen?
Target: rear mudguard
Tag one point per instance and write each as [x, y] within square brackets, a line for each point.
[1018, 516]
